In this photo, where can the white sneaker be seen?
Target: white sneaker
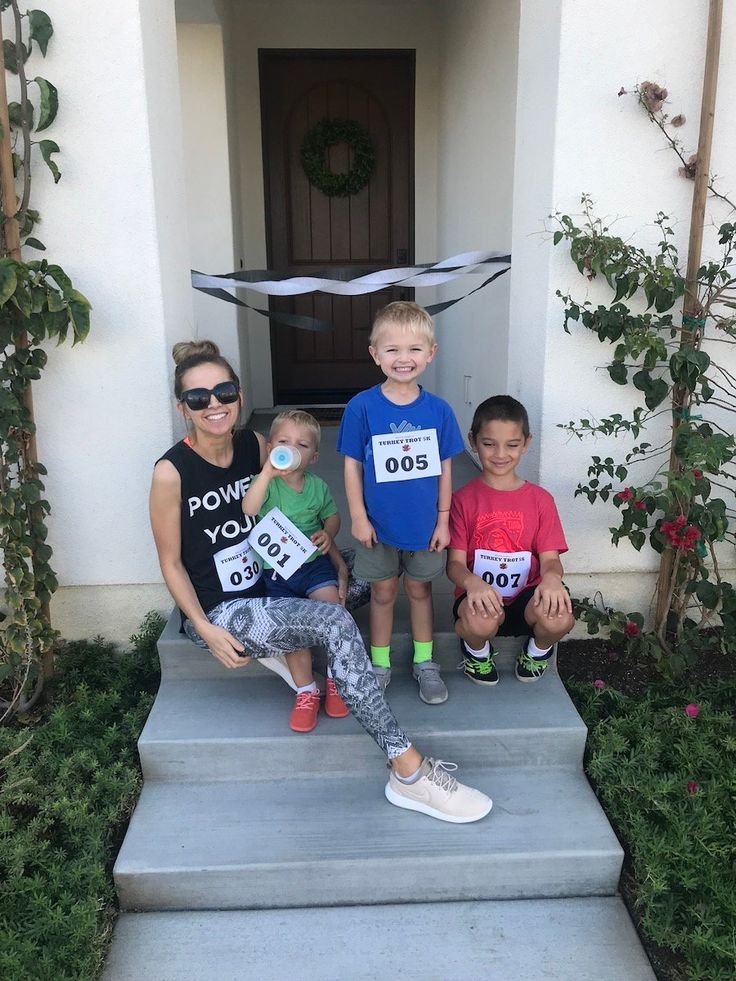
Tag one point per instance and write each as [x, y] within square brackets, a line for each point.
[439, 794]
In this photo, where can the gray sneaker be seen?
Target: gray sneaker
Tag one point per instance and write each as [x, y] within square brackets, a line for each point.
[383, 676]
[439, 794]
[431, 686]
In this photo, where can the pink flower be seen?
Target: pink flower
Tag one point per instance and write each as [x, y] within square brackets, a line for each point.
[690, 167]
[622, 91]
[692, 711]
[678, 120]
[698, 474]
[626, 494]
[599, 684]
[631, 629]
[640, 505]
[652, 96]
[680, 535]
[692, 787]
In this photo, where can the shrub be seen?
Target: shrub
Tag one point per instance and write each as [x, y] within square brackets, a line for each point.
[65, 798]
[664, 768]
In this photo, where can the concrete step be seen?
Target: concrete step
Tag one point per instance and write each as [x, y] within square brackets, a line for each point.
[236, 729]
[337, 841]
[589, 939]
[181, 659]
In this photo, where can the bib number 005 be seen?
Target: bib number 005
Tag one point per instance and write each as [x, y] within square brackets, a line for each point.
[406, 456]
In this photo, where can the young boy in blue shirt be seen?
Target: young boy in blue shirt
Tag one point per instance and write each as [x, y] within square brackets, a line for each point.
[398, 441]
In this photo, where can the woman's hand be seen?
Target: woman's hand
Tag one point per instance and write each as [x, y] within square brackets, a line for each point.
[322, 540]
[342, 583]
[222, 645]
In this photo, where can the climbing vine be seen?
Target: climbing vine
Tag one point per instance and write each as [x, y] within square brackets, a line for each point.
[676, 495]
[38, 303]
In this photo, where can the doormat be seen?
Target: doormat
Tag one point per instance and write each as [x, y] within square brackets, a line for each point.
[327, 416]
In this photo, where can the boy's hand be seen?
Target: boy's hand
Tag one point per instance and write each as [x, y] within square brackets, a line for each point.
[440, 537]
[482, 598]
[342, 583]
[551, 598]
[364, 532]
[322, 540]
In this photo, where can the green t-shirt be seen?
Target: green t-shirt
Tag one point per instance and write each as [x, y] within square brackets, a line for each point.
[308, 509]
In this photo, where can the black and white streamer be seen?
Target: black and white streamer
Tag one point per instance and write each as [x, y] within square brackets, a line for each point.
[351, 281]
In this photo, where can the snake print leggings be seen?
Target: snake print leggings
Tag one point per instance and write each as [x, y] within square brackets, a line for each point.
[267, 628]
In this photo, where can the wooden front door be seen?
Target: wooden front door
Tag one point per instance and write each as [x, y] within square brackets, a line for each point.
[308, 231]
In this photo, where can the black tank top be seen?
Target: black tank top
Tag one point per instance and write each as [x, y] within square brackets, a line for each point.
[214, 530]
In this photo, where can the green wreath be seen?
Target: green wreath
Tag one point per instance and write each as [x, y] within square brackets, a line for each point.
[325, 134]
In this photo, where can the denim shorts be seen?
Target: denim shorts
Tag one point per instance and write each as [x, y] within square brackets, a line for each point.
[312, 576]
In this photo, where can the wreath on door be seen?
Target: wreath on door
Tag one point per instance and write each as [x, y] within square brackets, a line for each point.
[325, 134]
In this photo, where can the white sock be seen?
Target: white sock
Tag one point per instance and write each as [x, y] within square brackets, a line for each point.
[311, 687]
[329, 671]
[412, 778]
[534, 651]
[482, 655]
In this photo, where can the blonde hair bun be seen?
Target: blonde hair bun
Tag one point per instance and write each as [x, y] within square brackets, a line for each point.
[183, 350]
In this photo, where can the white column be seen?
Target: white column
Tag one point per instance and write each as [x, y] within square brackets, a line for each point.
[116, 222]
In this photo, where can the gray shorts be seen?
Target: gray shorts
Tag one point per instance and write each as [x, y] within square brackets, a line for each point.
[386, 562]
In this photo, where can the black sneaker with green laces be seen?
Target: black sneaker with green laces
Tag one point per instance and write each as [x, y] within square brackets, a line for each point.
[530, 668]
[480, 670]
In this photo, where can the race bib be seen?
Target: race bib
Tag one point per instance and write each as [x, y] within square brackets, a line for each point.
[507, 572]
[280, 543]
[406, 456]
[238, 567]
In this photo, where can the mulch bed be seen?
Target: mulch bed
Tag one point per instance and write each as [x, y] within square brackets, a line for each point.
[586, 660]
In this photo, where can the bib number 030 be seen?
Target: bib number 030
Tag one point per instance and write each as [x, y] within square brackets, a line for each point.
[238, 567]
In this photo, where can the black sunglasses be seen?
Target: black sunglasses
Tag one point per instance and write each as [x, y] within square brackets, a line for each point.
[199, 398]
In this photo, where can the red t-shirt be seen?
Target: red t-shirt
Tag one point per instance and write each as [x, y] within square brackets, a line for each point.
[504, 532]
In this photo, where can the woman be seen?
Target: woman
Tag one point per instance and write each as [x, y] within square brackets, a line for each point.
[201, 537]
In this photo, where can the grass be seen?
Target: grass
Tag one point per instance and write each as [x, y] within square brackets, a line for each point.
[65, 799]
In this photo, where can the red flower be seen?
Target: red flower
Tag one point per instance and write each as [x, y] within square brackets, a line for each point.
[640, 505]
[631, 629]
[626, 494]
[681, 535]
[599, 684]
[692, 711]
[698, 474]
[692, 787]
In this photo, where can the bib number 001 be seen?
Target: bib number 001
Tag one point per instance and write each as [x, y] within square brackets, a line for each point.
[273, 549]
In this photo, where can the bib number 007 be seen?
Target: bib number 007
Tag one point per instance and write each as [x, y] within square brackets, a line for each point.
[502, 579]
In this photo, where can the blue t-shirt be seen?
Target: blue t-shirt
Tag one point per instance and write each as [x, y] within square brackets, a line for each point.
[403, 512]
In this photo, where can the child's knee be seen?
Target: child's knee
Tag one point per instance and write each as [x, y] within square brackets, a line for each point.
[416, 590]
[384, 591]
[555, 626]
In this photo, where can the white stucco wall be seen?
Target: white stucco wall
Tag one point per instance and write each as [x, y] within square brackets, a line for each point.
[207, 177]
[116, 224]
[574, 134]
[327, 24]
[479, 44]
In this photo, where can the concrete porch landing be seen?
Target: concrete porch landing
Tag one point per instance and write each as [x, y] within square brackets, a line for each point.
[260, 855]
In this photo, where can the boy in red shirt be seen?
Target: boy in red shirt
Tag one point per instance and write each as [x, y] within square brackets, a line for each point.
[504, 553]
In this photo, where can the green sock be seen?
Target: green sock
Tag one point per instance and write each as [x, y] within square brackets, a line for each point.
[381, 656]
[422, 651]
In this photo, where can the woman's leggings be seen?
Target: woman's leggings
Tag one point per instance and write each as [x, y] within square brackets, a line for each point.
[269, 628]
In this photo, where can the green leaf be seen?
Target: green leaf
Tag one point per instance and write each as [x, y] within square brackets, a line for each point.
[47, 147]
[79, 307]
[618, 373]
[557, 238]
[49, 104]
[8, 280]
[41, 29]
[33, 243]
[10, 53]
[708, 594]
[15, 113]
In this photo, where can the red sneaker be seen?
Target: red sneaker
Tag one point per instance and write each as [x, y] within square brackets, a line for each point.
[334, 705]
[303, 716]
